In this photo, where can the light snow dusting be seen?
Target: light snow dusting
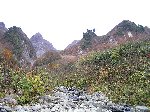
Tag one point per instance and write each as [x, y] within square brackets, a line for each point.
[130, 34]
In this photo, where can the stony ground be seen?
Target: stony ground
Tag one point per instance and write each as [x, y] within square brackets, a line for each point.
[70, 100]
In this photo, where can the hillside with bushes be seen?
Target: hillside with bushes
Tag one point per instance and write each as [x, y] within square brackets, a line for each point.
[15, 40]
[125, 31]
[122, 73]
[116, 64]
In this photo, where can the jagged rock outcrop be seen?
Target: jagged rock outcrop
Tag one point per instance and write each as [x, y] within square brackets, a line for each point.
[125, 31]
[41, 45]
[2, 26]
[19, 44]
[81, 46]
[128, 27]
[3, 29]
[72, 44]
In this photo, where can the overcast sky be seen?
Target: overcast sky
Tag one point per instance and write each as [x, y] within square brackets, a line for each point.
[62, 21]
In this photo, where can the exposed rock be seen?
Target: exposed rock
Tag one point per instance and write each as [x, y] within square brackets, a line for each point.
[125, 31]
[3, 29]
[2, 26]
[72, 44]
[128, 28]
[5, 109]
[9, 99]
[41, 45]
[64, 100]
[142, 109]
[15, 40]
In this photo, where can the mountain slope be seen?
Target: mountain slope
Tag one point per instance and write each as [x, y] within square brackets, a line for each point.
[3, 29]
[19, 44]
[122, 73]
[41, 45]
[124, 32]
[72, 44]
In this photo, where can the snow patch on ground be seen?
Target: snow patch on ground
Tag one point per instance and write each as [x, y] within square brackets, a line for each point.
[130, 34]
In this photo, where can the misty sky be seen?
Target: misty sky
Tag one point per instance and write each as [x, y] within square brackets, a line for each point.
[62, 21]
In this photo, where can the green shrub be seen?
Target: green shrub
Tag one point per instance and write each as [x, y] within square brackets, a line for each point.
[86, 41]
[47, 58]
[27, 87]
[121, 73]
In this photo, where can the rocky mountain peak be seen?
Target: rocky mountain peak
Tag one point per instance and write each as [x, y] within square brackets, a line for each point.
[127, 25]
[37, 37]
[2, 25]
[124, 27]
[41, 45]
[19, 44]
[125, 22]
[125, 31]
[72, 44]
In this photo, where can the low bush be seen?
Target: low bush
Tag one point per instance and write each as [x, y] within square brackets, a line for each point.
[122, 73]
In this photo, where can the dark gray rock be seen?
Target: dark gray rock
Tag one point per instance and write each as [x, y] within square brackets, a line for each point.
[118, 108]
[5, 109]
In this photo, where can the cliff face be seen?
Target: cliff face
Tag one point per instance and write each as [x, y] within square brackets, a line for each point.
[24, 50]
[18, 43]
[41, 45]
[3, 29]
[2, 26]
